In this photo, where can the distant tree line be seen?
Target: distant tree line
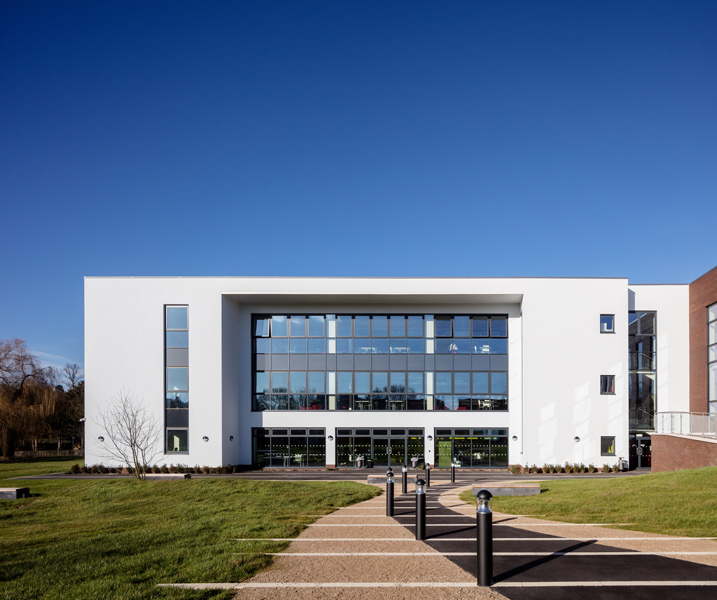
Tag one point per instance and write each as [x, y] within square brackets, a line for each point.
[37, 404]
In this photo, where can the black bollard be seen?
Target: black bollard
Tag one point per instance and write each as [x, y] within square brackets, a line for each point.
[404, 480]
[428, 475]
[453, 472]
[484, 517]
[389, 492]
[420, 510]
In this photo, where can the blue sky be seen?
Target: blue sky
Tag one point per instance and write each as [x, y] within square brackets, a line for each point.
[349, 139]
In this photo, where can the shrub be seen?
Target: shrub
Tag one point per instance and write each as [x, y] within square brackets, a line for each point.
[568, 467]
[533, 469]
[591, 468]
[74, 469]
[579, 468]
[164, 469]
[606, 468]
[206, 470]
[516, 469]
[547, 468]
[173, 469]
[155, 469]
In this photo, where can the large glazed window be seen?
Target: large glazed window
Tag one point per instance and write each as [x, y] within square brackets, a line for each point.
[176, 378]
[481, 448]
[288, 447]
[380, 362]
[642, 328]
[712, 357]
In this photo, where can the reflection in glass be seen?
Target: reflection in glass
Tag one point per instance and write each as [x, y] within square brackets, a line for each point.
[278, 326]
[316, 326]
[298, 382]
[177, 378]
[344, 326]
[298, 326]
[415, 383]
[262, 328]
[480, 326]
[177, 400]
[362, 326]
[280, 382]
[344, 346]
[317, 382]
[443, 326]
[344, 383]
[498, 383]
[177, 440]
[499, 346]
[177, 339]
[379, 326]
[397, 346]
[415, 326]
[398, 326]
[176, 317]
[414, 346]
[263, 345]
[279, 345]
[297, 346]
[317, 346]
[462, 383]
[461, 327]
[443, 383]
[380, 346]
[363, 382]
[498, 327]
[262, 383]
[380, 382]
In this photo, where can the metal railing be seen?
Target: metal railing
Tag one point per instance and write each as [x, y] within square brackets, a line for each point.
[687, 423]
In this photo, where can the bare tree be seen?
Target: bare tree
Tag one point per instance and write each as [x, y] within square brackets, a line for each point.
[133, 433]
[24, 401]
[71, 375]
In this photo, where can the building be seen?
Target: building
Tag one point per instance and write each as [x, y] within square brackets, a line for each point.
[345, 372]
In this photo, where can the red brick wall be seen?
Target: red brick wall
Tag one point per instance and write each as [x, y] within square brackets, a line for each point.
[672, 453]
[703, 292]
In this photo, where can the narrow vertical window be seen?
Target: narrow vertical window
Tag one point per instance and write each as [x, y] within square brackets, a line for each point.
[176, 377]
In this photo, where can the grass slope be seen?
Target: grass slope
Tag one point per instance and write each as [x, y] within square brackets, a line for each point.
[681, 503]
[117, 539]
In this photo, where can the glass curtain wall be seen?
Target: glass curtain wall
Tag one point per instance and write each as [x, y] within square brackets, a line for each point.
[476, 448]
[642, 329]
[380, 362]
[285, 448]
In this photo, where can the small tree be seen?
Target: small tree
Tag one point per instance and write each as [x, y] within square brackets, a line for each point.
[133, 433]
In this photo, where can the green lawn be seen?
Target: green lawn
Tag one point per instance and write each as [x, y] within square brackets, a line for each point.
[117, 539]
[682, 503]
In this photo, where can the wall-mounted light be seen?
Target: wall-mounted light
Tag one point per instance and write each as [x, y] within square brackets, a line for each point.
[231, 438]
[101, 438]
[205, 438]
[577, 439]
[331, 438]
[514, 438]
[430, 438]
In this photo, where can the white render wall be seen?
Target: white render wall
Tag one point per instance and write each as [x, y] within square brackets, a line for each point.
[672, 303]
[556, 357]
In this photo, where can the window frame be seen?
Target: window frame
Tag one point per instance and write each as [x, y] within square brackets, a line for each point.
[607, 379]
[612, 328]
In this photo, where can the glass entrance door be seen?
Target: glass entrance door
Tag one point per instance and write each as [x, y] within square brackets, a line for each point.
[398, 451]
[380, 452]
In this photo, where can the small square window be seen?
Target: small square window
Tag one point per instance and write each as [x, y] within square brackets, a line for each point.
[607, 445]
[607, 323]
[607, 384]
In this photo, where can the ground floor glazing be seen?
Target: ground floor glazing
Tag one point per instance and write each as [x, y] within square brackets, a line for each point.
[372, 447]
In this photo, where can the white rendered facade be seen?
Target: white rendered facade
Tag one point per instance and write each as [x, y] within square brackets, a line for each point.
[555, 359]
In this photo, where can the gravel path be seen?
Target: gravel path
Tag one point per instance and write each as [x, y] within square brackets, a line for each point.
[363, 569]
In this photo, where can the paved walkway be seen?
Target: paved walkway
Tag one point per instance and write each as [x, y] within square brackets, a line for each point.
[358, 552]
